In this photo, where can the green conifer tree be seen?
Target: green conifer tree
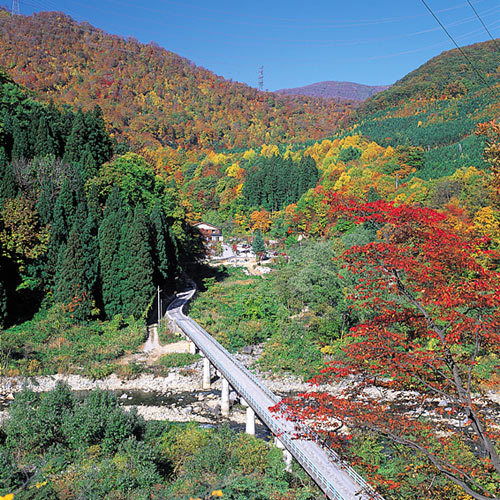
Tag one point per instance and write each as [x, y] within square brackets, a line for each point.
[44, 204]
[75, 145]
[372, 195]
[8, 184]
[20, 147]
[3, 291]
[71, 285]
[54, 120]
[90, 243]
[61, 224]
[100, 144]
[88, 165]
[44, 143]
[159, 236]
[109, 246]
[136, 271]
[258, 244]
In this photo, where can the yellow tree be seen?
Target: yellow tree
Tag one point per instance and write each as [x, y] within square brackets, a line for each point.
[486, 223]
[491, 131]
[260, 220]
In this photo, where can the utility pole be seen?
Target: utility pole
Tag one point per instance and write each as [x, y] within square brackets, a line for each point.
[159, 308]
[261, 78]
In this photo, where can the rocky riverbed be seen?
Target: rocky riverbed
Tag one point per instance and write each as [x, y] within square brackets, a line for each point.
[176, 397]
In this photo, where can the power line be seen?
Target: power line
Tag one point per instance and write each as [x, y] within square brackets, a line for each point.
[466, 57]
[484, 25]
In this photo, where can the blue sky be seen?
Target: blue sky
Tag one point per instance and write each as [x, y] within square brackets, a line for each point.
[298, 43]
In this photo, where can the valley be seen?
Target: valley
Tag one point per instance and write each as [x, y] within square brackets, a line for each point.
[344, 248]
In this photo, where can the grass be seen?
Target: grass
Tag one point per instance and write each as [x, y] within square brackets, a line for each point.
[177, 359]
[52, 343]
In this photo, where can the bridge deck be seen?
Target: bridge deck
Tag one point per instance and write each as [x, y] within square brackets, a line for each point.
[337, 480]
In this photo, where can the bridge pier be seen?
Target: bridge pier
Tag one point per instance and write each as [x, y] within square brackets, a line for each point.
[250, 424]
[192, 347]
[287, 456]
[207, 382]
[224, 405]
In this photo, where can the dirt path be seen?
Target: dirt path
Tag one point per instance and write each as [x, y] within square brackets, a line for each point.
[251, 265]
[152, 350]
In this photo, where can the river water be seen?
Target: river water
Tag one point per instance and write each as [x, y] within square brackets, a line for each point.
[182, 406]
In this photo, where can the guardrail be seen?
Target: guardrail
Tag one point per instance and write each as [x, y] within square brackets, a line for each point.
[240, 365]
[187, 326]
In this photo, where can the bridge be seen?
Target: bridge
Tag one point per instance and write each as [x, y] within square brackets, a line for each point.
[336, 479]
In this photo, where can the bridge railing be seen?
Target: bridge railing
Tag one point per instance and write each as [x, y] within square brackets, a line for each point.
[240, 365]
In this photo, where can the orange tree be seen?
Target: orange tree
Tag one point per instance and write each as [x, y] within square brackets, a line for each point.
[433, 312]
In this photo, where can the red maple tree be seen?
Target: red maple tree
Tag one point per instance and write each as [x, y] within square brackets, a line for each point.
[432, 301]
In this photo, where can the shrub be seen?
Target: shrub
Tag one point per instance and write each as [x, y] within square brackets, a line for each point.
[176, 359]
[35, 421]
[100, 420]
[10, 476]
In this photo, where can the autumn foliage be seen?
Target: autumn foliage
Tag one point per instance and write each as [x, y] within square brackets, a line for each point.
[150, 96]
[491, 131]
[432, 309]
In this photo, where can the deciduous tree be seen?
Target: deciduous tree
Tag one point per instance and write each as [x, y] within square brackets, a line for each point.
[434, 311]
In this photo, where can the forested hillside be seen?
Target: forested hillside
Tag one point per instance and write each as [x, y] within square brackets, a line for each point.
[437, 107]
[79, 227]
[150, 96]
[283, 191]
[420, 145]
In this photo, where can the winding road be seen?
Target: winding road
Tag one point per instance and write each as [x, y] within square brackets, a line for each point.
[337, 480]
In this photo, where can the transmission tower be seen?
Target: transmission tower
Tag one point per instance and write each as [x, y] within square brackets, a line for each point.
[261, 78]
[16, 8]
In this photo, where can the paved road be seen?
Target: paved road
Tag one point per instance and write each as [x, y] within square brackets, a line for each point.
[338, 481]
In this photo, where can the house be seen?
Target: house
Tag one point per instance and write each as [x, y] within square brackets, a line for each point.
[210, 233]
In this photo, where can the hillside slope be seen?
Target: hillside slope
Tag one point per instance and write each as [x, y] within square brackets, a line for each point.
[150, 96]
[336, 90]
[437, 107]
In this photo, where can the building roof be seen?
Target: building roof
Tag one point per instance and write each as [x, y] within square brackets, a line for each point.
[206, 225]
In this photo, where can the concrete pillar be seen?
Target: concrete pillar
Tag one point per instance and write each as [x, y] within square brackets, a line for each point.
[206, 374]
[224, 405]
[287, 456]
[250, 427]
[192, 347]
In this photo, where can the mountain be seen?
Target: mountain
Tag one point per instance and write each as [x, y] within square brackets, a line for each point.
[447, 75]
[336, 90]
[437, 108]
[150, 96]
